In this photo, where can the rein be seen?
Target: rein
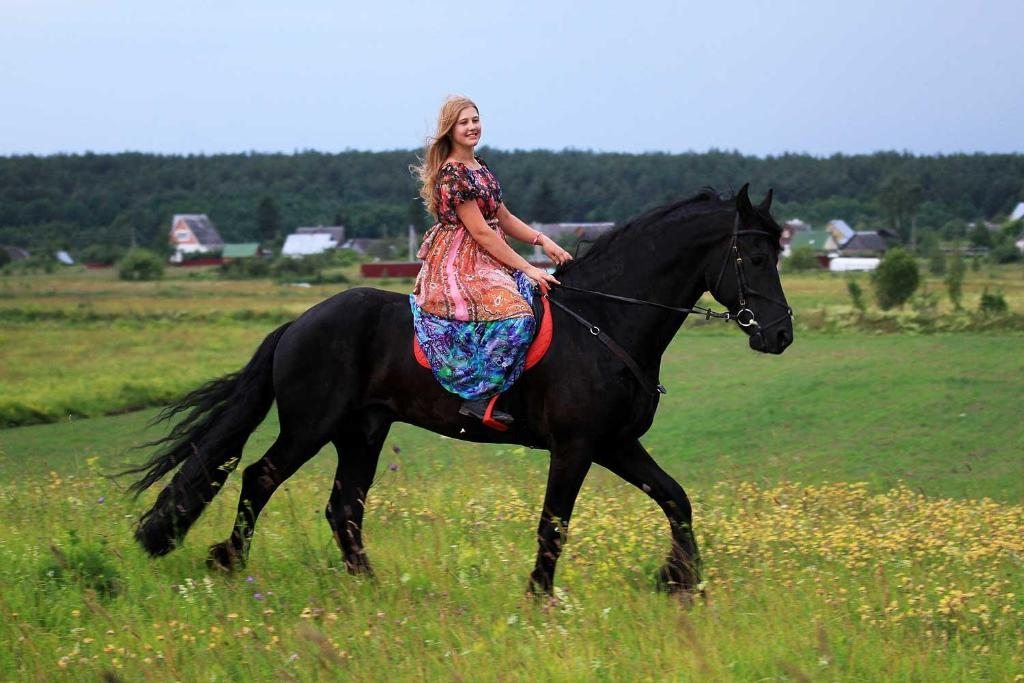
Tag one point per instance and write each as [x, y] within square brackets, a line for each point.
[743, 289]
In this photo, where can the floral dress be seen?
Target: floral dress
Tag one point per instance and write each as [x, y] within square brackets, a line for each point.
[472, 314]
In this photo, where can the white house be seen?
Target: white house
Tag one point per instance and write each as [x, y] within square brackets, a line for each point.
[193, 233]
[298, 245]
[315, 240]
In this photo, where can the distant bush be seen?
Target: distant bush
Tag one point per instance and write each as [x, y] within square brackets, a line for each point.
[291, 269]
[140, 265]
[955, 279]
[1006, 252]
[40, 263]
[101, 254]
[311, 268]
[803, 258]
[245, 268]
[896, 279]
[856, 294]
[345, 257]
[993, 303]
[937, 263]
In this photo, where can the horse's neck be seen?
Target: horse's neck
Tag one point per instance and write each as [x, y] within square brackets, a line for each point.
[666, 267]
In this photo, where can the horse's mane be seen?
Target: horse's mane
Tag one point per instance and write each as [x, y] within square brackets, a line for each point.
[707, 199]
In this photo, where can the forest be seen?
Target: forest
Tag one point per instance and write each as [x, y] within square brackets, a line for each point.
[72, 201]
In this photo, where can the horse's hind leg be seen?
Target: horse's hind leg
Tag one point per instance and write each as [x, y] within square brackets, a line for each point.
[358, 453]
[633, 463]
[259, 481]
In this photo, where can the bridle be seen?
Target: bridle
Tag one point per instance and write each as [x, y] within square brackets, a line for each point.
[743, 288]
[744, 317]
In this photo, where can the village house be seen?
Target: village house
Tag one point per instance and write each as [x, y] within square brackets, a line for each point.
[193, 233]
[865, 244]
[313, 240]
[840, 230]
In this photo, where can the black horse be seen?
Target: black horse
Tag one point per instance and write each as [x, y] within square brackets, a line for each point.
[343, 372]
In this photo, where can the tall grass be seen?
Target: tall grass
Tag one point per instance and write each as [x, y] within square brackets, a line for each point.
[830, 582]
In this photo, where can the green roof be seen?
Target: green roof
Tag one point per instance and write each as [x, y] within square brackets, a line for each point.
[242, 250]
[815, 239]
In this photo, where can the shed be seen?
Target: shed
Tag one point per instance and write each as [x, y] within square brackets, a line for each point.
[818, 240]
[241, 250]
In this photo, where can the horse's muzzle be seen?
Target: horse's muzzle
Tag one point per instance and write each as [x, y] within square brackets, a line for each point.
[771, 341]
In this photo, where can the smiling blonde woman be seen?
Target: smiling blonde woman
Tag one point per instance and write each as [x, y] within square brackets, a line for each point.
[472, 303]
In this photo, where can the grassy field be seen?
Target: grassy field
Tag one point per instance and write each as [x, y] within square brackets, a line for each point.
[859, 501]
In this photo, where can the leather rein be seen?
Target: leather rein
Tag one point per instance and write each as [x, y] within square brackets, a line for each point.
[744, 317]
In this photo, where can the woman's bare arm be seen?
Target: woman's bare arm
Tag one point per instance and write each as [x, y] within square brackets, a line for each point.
[514, 226]
[469, 214]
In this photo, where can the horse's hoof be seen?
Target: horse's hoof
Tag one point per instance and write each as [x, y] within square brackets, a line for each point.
[680, 583]
[222, 557]
[358, 564]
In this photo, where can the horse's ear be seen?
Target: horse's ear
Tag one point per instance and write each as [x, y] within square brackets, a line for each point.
[766, 204]
[743, 201]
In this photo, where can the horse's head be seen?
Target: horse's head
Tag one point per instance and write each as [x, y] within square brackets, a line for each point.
[747, 281]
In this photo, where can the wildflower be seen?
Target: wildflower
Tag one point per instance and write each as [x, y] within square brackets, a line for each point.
[393, 467]
[101, 499]
[396, 450]
[257, 596]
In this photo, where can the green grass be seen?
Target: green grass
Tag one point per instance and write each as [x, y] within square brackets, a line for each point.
[936, 412]
[858, 501]
[831, 581]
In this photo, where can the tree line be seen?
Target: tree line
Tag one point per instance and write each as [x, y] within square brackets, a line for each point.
[71, 201]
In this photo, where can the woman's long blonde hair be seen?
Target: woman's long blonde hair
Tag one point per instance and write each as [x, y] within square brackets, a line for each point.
[438, 147]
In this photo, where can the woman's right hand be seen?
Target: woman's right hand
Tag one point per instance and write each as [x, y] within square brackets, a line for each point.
[543, 278]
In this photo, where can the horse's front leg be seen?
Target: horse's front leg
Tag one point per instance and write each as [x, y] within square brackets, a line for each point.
[569, 467]
[633, 463]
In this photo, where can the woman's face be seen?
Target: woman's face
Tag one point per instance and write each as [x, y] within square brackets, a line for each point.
[467, 129]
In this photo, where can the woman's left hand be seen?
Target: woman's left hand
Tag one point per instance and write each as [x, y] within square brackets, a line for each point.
[554, 252]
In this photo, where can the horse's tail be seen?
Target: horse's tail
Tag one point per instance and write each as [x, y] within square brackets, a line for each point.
[207, 443]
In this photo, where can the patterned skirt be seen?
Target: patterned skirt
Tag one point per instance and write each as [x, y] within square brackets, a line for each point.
[476, 359]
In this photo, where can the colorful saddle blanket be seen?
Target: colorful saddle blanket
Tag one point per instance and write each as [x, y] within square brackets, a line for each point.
[538, 347]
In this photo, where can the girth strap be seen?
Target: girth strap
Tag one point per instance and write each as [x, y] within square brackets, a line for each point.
[613, 346]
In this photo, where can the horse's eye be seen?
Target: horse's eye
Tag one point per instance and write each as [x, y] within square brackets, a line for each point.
[759, 260]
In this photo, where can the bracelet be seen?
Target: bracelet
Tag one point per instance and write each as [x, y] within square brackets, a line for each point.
[537, 238]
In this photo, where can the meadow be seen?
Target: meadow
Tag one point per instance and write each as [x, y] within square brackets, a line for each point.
[859, 502]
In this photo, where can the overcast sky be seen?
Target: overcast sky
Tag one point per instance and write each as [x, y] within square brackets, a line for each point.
[631, 76]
